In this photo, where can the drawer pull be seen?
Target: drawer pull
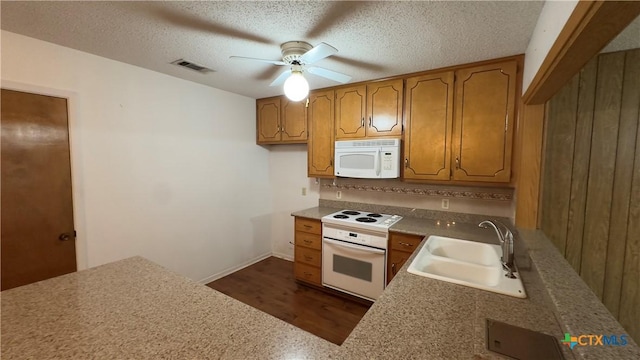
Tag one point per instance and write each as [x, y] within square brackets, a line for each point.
[307, 226]
[307, 257]
[307, 241]
[307, 274]
[405, 244]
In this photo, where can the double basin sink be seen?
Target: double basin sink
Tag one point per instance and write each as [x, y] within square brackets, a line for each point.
[467, 263]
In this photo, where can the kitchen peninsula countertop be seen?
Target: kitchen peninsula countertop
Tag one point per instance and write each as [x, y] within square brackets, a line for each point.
[134, 308]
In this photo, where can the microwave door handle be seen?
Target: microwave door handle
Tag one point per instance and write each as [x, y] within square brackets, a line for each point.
[377, 161]
[354, 247]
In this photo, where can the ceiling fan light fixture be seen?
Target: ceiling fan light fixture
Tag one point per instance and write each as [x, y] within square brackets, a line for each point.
[296, 87]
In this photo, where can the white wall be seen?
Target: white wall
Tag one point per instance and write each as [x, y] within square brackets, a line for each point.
[162, 167]
[552, 19]
[288, 175]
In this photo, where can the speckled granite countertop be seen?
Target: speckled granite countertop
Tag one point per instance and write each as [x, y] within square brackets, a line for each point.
[135, 309]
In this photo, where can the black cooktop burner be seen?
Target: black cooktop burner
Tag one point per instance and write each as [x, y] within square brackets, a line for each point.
[366, 219]
[340, 216]
[349, 212]
[374, 215]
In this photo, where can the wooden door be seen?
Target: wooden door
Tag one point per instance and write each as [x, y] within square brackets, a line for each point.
[483, 125]
[384, 108]
[428, 127]
[321, 142]
[351, 112]
[268, 122]
[38, 239]
[293, 121]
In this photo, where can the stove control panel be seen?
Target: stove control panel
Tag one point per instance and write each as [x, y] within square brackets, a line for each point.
[356, 236]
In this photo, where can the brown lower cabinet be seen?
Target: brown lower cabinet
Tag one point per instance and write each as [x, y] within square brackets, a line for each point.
[308, 251]
[400, 248]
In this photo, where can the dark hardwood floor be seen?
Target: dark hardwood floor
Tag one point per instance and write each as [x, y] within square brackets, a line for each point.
[269, 286]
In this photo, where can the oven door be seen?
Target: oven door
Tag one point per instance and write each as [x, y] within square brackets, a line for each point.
[354, 269]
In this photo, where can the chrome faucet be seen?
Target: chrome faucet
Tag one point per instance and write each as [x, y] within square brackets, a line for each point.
[506, 241]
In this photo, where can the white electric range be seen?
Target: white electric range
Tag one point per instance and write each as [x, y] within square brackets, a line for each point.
[354, 251]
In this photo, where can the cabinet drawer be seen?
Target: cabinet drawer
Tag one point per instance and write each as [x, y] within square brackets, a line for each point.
[308, 256]
[308, 225]
[308, 240]
[404, 242]
[308, 273]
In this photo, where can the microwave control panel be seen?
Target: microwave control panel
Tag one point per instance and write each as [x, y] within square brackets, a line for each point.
[387, 160]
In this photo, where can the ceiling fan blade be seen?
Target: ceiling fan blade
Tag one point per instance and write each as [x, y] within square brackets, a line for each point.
[281, 78]
[358, 63]
[318, 52]
[329, 74]
[335, 14]
[194, 22]
[274, 62]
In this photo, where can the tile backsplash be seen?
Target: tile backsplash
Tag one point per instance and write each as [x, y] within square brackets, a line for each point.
[488, 201]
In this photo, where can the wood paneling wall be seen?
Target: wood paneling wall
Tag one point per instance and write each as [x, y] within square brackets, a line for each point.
[590, 203]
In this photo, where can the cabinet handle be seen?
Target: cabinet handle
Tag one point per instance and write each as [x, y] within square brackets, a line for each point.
[370, 122]
[307, 241]
[307, 274]
[405, 244]
[406, 162]
[393, 268]
[307, 257]
[457, 163]
[362, 122]
[307, 226]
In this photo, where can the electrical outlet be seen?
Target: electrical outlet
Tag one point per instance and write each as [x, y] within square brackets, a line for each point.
[445, 203]
[338, 194]
[304, 191]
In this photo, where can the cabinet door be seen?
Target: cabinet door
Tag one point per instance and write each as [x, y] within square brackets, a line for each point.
[483, 125]
[293, 121]
[350, 112]
[320, 142]
[428, 127]
[384, 108]
[395, 261]
[268, 122]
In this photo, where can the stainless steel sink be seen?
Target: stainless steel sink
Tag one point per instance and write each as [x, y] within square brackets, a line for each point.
[467, 263]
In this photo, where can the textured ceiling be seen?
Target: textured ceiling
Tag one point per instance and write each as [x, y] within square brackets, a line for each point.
[374, 39]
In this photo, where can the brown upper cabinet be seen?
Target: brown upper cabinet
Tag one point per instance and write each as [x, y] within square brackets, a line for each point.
[459, 124]
[370, 110]
[281, 121]
[320, 115]
[485, 99]
[428, 126]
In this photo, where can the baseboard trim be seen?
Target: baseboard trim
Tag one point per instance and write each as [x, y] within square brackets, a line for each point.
[282, 256]
[233, 269]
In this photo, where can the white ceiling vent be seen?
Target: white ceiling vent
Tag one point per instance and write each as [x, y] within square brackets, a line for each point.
[193, 66]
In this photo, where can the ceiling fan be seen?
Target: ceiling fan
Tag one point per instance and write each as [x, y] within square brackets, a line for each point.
[299, 56]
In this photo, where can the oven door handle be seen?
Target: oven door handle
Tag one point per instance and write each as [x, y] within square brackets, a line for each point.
[354, 247]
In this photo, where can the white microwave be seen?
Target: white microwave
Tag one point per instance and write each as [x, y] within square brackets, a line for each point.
[368, 159]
